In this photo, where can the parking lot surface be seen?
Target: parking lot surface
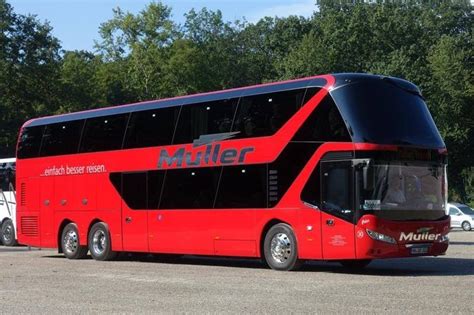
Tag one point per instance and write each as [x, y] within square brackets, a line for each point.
[43, 281]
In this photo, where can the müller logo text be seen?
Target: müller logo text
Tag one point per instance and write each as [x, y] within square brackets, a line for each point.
[209, 153]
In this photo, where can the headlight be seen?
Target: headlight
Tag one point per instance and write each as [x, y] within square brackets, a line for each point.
[381, 237]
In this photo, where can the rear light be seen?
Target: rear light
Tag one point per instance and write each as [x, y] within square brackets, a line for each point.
[381, 237]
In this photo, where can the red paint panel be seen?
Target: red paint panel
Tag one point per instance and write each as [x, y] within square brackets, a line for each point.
[309, 233]
[180, 231]
[47, 209]
[134, 229]
[235, 248]
[337, 238]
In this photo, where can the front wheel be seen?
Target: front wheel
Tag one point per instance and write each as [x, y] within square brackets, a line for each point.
[280, 248]
[466, 226]
[8, 233]
[100, 245]
[70, 245]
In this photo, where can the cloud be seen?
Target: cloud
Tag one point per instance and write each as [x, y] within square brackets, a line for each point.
[302, 7]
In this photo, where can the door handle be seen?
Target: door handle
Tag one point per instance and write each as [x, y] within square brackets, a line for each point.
[128, 220]
[330, 222]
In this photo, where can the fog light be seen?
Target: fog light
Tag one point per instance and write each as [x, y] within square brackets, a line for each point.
[381, 237]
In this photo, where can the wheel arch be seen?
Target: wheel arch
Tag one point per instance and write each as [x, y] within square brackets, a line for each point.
[264, 231]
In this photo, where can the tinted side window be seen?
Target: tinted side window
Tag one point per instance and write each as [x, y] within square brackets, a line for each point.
[62, 138]
[243, 187]
[312, 190]
[310, 92]
[155, 184]
[284, 170]
[151, 128]
[204, 118]
[263, 115]
[139, 190]
[324, 124]
[134, 190]
[190, 188]
[336, 182]
[30, 142]
[104, 133]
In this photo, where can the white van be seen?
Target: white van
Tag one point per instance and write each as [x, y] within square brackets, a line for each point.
[8, 202]
[461, 216]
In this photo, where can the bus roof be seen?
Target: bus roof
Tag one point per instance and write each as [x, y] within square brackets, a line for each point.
[339, 80]
[317, 81]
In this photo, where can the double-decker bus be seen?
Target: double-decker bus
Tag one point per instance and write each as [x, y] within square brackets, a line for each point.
[344, 167]
[7, 202]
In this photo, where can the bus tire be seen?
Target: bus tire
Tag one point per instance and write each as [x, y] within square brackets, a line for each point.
[100, 245]
[8, 233]
[70, 244]
[280, 248]
[355, 264]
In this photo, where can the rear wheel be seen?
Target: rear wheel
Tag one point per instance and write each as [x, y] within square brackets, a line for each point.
[8, 233]
[280, 248]
[355, 264]
[70, 244]
[100, 245]
[466, 226]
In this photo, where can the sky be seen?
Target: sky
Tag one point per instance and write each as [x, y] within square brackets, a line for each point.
[76, 22]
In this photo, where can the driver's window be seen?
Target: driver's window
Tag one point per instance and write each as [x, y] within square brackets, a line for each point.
[337, 189]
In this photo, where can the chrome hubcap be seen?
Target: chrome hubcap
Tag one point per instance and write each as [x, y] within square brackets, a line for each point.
[280, 247]
[8, 233]
[99, 242]
[466, 226]
[71, 242]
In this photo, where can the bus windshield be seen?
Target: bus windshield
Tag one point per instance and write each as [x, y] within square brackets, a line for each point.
[403, 187]
[384, 112]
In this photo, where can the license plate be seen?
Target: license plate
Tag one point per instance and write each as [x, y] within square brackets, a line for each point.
[419, 250]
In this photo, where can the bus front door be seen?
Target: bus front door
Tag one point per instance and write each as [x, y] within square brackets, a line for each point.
[337, 210]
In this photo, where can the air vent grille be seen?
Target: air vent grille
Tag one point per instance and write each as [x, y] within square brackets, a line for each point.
[23, 194]
[29, 225]
[342, 155]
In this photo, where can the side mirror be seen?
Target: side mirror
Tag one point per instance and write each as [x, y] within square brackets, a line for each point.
[459, 214]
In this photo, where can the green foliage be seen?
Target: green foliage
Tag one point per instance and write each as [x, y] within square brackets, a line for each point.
[148, 56]
[29, 73]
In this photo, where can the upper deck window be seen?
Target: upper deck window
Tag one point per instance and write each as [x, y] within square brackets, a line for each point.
[61, 138]
[264, 114]
[151, 128]
[30, 142]
[104, 133]
[385, 112]
[324, 124]
[205, 118]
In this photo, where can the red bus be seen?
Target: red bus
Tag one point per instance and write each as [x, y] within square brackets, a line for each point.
[345, 167]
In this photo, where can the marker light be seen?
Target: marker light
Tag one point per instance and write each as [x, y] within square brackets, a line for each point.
[381, 237]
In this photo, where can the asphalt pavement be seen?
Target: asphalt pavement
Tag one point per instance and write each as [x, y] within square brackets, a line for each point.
[43, 281]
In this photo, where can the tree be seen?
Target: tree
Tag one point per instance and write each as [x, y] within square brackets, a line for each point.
[29, 73]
